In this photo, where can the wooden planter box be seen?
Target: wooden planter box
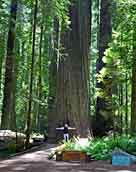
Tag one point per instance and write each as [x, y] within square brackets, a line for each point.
[74, 156]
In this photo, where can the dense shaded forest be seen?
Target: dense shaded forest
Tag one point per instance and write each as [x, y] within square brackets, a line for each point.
[68, 61]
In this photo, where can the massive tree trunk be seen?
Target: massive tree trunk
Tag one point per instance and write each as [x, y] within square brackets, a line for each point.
[8, 85]
[72, 102]
[104, 38]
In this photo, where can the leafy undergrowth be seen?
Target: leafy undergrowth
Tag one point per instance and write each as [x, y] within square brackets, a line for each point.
[102, 148]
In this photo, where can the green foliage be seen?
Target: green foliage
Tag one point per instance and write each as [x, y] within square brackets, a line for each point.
[75, 144]
[118, 60]
[102, 148]
[69, 145]
[94, 53]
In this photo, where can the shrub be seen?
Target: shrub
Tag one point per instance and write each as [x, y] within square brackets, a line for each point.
[102, 148]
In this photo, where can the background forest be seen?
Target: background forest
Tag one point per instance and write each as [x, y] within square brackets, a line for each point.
[68, 61]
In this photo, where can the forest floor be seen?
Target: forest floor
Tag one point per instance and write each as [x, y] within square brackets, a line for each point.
[37, 161]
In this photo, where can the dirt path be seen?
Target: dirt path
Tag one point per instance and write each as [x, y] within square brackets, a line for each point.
[38, 162]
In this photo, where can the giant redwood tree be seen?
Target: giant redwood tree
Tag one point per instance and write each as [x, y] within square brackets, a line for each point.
[72, 102]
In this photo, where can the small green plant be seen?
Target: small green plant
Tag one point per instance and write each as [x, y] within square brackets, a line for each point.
[51, 155]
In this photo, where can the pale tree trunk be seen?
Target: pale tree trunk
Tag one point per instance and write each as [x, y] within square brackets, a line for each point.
[8, 90]
[2, 55]
[39, 81]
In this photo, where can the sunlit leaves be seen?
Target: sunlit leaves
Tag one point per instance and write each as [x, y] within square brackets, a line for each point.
[119, 56]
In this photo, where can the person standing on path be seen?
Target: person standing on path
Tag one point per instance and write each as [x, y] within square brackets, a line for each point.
[65, 130]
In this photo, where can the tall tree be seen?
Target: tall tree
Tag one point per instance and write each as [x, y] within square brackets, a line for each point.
[39, 80]
[54, 56]
[133, 105]
[29, 113]
[72, 104]
[126, 96]
[8, 91]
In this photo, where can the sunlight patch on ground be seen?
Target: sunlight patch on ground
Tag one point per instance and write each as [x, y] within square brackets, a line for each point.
[33, 157]
[19, 169]
[52, 149]
[3, 165]
[28, 156]
[67, 164]
[101, 169]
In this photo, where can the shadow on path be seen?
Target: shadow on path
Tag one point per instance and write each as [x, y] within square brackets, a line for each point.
[38, 162]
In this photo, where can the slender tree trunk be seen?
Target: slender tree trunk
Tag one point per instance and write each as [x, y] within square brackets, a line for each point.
[2, 55]
[133, 98]
[54, 55]
[29, 113]
[127, 127]
[27, 72]
[119, 116]
[121, 105]
[7, 100]
[40, 80]
[126, 99]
